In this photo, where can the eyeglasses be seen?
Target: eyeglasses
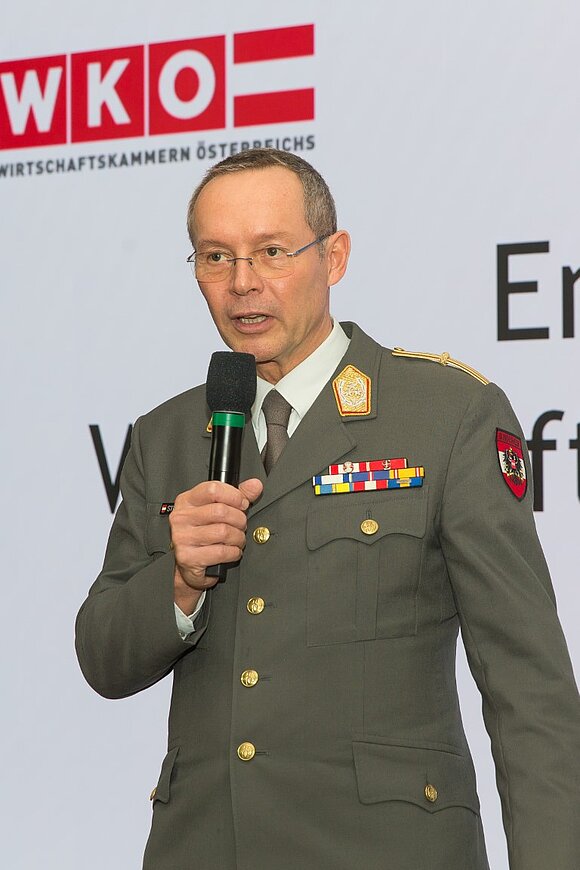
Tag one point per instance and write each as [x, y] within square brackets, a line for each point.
[269, 262]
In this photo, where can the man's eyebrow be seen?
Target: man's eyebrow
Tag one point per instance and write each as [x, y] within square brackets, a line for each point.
[257, 240]
[275, 234]
[213, 242]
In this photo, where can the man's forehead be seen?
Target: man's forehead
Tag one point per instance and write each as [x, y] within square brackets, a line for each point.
[265, 183]
[264, 200]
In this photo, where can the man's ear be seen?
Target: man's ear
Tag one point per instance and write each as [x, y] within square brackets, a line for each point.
[337, 254]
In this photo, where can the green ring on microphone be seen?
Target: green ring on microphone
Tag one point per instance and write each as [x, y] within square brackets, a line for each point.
[228, 418]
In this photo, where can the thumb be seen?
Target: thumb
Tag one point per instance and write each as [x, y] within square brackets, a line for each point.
[251, 488]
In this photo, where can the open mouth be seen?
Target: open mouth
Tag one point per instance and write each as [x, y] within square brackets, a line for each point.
[252, 318]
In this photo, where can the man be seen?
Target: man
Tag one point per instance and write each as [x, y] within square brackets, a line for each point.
[314, 719]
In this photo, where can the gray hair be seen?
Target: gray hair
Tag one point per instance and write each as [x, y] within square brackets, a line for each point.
[319, 207]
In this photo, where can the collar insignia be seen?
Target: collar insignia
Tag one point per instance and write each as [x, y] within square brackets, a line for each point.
[352, 391]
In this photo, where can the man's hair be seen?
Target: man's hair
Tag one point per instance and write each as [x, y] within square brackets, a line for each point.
[319, 207]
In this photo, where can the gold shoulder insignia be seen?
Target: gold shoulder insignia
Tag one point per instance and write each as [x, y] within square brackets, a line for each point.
[209, 426]
[443, 359]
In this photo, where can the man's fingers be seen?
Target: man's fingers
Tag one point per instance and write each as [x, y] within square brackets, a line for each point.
[194, 576]
[212, 491]
[208, 525]
[204, 536]
[205, 515]
[251, 488]
[215, 554]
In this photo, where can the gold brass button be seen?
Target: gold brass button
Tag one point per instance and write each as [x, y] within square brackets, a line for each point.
[431, 793]
[255, 605]
[246, 751]
[153, 793]
[369, 527]
[249, 678]
[261, 535]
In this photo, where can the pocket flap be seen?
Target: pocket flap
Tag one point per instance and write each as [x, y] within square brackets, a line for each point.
[162, 789]
[430, 778]
[402, 512]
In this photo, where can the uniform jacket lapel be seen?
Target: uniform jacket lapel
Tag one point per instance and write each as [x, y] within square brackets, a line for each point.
[323, 436]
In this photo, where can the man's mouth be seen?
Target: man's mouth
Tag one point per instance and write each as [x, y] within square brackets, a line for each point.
[252, 318]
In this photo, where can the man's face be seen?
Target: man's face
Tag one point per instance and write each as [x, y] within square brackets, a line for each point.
[280, 321]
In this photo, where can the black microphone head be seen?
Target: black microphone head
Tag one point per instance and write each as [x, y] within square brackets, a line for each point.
[231, 382]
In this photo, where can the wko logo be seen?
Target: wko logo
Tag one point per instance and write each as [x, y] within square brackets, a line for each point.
[167, 87]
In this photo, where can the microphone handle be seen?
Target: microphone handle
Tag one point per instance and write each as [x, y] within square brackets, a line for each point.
[224, 462]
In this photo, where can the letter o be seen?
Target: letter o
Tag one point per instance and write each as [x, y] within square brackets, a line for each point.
[202, 66]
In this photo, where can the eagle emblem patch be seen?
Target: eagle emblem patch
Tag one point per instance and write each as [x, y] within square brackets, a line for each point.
[511, 462]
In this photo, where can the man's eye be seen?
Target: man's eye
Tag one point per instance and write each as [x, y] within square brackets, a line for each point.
[273, 252]
[214, 257]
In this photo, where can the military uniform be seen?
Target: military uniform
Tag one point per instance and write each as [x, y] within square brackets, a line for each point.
[314, 719]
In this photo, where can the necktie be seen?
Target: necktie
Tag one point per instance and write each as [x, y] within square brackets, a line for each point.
[277, 413]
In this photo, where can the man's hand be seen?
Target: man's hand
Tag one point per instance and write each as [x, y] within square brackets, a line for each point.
[208, 526]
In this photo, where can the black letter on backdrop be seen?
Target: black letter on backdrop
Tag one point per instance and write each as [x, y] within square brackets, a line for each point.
[504, 288]
[569, 278]
[575, 445]
[111, 486]
[536, 446]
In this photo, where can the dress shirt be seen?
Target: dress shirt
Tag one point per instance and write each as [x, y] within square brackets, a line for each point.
[300, 387]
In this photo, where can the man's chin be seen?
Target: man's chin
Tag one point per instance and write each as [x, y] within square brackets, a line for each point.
[263, 352]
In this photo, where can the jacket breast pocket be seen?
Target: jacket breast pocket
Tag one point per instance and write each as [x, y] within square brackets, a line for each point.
[157, 533]
[364, 565]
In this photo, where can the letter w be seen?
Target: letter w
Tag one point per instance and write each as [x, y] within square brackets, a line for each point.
[31, 98]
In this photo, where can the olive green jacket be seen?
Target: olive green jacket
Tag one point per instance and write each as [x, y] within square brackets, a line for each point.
[360, 756]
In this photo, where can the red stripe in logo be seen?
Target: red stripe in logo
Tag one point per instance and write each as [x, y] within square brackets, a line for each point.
[275, 44]
[274, 108]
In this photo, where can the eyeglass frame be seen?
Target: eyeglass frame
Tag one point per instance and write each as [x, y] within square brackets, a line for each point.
[232, 260]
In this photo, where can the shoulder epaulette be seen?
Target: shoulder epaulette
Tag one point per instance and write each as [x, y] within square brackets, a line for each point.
[443, 359]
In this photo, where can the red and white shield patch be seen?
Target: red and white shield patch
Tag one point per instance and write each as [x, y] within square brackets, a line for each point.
[511, 462]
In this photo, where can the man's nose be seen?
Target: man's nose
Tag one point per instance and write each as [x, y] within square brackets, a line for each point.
[244, 278]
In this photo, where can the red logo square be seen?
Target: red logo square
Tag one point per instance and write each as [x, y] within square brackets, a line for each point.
[33, 102]
[187, 85]
[107, 94]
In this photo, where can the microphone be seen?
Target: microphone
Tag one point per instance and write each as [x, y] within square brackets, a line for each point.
[230, 392]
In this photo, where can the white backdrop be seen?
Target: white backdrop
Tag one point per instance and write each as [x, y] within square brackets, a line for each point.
[444, 130]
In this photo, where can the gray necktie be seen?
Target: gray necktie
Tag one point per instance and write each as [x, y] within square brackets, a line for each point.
[277, 413]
